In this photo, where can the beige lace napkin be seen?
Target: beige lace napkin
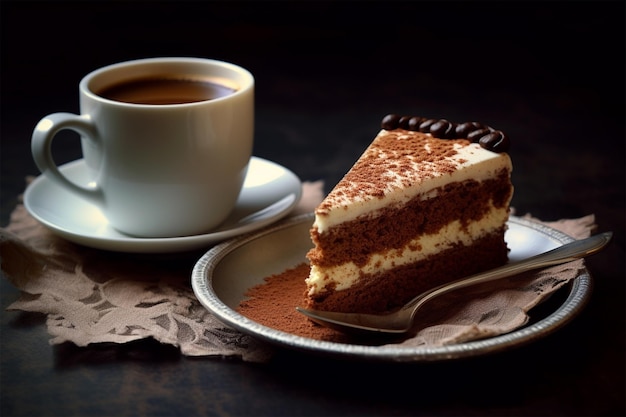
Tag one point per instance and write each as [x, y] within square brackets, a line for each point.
[92, 296]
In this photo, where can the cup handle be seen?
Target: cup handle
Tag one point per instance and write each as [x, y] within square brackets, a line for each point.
[41, 148]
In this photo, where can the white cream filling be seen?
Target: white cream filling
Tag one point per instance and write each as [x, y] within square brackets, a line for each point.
[344, 276]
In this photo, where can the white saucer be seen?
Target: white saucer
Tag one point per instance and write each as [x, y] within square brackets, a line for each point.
[269, 193]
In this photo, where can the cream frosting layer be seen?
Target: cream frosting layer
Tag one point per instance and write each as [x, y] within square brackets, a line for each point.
[346, 275]
[404, 173]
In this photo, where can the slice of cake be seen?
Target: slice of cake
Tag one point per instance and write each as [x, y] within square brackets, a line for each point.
[425, 204]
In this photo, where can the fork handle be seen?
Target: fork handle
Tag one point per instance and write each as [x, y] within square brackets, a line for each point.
[566, 253]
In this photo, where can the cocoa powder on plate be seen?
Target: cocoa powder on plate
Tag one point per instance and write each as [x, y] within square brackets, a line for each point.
[273, 304]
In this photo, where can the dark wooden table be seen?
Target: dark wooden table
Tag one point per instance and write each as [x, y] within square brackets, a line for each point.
[550, 74]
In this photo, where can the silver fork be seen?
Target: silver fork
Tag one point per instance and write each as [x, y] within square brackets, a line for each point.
[401, 321]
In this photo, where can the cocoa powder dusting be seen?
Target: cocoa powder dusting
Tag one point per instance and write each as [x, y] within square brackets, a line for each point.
[273, 304]
[410, 156]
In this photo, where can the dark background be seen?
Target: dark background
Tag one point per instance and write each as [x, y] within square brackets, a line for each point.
[549, 74]
[327, 72]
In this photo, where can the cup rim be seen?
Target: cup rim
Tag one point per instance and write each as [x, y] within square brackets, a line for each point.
[245, 75]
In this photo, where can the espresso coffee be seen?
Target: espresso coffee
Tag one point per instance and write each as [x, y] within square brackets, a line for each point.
[165, 90]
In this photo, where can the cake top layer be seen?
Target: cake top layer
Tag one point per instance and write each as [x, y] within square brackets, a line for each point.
[400, 164]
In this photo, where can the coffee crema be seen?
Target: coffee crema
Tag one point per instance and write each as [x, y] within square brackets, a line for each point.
[165, 90]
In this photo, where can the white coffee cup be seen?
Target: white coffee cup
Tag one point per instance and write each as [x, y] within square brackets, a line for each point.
[159, 170]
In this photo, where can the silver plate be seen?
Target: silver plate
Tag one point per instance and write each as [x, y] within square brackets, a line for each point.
[222, 276]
